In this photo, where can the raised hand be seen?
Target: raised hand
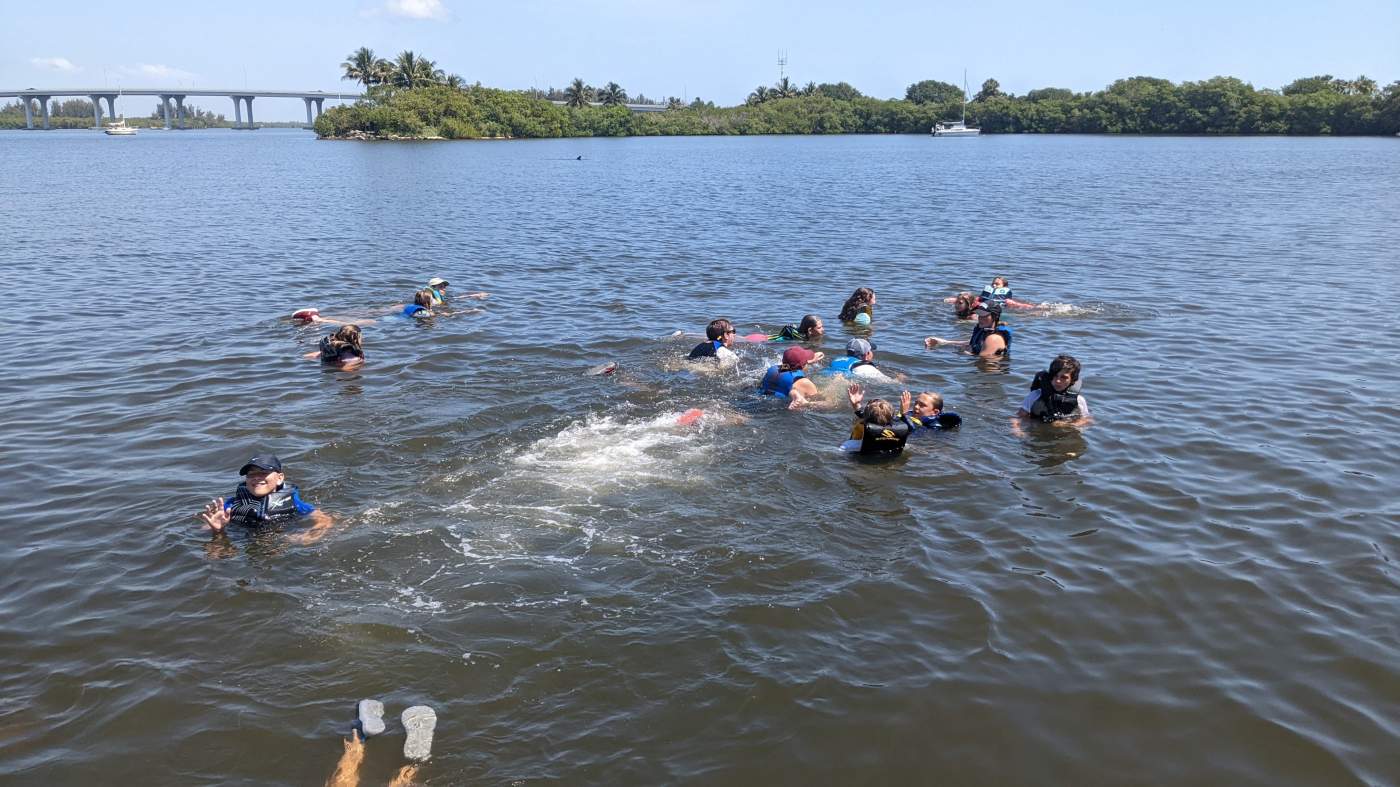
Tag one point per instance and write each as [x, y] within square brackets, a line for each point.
[856, 394]
[905, 400]
[215, 516]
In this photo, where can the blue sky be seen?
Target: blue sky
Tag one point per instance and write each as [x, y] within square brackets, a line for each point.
[719, 50]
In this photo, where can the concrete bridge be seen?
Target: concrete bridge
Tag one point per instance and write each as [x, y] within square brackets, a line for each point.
[312, 98]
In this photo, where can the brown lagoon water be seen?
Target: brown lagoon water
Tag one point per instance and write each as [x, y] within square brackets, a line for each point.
[1201, 588]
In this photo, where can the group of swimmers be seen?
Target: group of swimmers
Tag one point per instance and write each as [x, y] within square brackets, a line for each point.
[879, 428]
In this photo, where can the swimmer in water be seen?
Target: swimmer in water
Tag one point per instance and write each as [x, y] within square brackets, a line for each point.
[810, 329]
[1055, 397]
[788, 380]
[344, 348]
[439, 287]
[719, 337]
[991, 338]
[861, 302]
[1000, 291]
[859, 362]
[265, 499]
[422, 306]
[876, 431]
[925, 413]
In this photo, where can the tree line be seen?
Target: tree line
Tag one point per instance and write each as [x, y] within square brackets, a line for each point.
[411, 96]
[77, 113]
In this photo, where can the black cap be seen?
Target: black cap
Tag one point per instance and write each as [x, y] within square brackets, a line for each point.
[991, 307]
[266, 462]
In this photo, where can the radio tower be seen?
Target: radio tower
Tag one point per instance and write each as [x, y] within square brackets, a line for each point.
[782, 64]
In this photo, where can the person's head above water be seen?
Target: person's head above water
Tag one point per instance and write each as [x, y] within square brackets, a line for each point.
[437, 283]
[1064, 372]
[262, 475]
[879, 411]
[720, 330]
[988, 313]
[963, 304]
[1000, 281]
[927, 404]
[424, 298]
[810, 326]
[860, 348]
[860, 302]
[797, 358]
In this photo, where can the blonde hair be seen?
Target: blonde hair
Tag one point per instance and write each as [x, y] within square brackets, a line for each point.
[424, 297]
[879, 412]
[935, 400]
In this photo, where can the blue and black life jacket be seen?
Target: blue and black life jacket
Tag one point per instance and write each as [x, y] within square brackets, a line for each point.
[778, 382]
[1054, 405]
[980, 334]
[706, 349]
[944, 420]
[250, 511]
[999, 294]
[413, 309]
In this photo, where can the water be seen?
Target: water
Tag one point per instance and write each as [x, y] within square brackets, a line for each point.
[1200, 588]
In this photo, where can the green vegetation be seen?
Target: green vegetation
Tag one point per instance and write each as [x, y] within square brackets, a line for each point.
[77, 113]
[411, 98]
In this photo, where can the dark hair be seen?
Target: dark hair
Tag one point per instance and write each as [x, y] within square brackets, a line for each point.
[424, 297]
[718, 328]
[858, 302]
[1064, 363]
[809, 321]
[345, 339]
[963, 304]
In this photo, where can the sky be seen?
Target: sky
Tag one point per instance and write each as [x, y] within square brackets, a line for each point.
[718, 50]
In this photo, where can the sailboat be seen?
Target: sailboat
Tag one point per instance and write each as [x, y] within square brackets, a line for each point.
[120, 128]
[957, 128]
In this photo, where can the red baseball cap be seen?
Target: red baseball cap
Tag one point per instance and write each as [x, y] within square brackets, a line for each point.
[798, 357]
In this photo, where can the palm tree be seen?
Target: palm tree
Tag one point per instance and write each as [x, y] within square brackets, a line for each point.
[426, 72]
[674, 103]
[809, 89]
[407, 72]
[360, 67]
[784, 89]
[760, 94]
[455, 81]
[577, 94]
[383, 72]
[612, 95]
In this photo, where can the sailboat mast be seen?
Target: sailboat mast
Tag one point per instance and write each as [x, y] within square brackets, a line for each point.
[964, 114]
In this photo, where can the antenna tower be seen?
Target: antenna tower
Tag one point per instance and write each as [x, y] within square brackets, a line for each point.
[782, 64]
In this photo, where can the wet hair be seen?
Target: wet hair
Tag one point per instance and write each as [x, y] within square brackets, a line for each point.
[857, 303]
[346, 339]
[1065, 363]
[879, 412]
[936, 399]
[963, 304]
[424, 297]
[718, 328]
[809, 321]
[1005, 282]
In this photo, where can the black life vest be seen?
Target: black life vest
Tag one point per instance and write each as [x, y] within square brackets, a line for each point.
[706, 349]
[337, 352]
[980, 334]
[252, 511]
[880, 438]
[1054, 405]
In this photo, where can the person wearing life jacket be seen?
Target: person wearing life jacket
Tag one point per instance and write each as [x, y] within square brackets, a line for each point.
[719, 337]
[439, 287]
[1055, 397]
[924, 413]
[810, 329]
[876, 431]
[344, 348]
[263, 499]
[788, 380]
[858, 362]
[1000, 291]
[422, 306]
[860, 307]
[991, 338]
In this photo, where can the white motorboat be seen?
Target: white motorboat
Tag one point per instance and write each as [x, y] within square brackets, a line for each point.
[120, 129]
[956, 128]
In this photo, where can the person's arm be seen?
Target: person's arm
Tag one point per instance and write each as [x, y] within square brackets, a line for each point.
[481, 296]
[1015, 304]
[933, 341]
[321, 524]
[856, 395]
[216, 515]
[312, 354]
[802, 393]
[1024, 411]
[1084, 418]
